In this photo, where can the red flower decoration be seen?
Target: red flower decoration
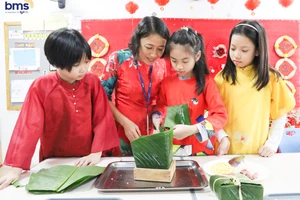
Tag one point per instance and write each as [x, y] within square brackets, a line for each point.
[162, 2]
[286, 3]
[252, 4]
[213, 1]
[131, 7]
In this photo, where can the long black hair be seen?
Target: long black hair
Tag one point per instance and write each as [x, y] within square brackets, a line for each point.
[257, 34]
[147, 26]
[194, 42]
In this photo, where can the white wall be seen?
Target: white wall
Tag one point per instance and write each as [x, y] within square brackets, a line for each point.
[110, 9]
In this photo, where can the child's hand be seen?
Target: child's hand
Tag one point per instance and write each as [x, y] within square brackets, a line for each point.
[224, 146]
[131, 130]
[182, 131]
[11, 174]
[89, 160]
[266, 151]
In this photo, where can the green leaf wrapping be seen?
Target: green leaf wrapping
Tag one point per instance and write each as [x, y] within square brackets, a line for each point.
[177, 115]
[153, 151]
[225, 189]
[60, 178]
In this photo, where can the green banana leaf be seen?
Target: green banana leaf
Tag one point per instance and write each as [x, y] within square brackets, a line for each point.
[226, 189]
[153, 151]
[177, 115]
[60, 178]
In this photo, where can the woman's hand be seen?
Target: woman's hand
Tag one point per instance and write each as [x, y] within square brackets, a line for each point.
[11, 174]
[89, 160]
[182, 131]
[131, 130]
[224, 146]
[266, 151]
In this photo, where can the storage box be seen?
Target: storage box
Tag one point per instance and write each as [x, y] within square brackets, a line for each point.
[231, 187]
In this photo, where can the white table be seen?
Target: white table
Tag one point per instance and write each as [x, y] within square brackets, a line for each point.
[284, 175]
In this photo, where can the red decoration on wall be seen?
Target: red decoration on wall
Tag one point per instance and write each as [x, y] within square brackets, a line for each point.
[251, 5]
[131, 7]
[213, 1]
[162, 2]
[286, 3]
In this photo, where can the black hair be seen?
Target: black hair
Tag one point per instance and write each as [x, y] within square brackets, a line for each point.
[192, 40]
[257, 34]
[147, 26]
[66, 47]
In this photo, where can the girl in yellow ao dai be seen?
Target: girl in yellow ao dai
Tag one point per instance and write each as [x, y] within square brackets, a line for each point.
[253, 93]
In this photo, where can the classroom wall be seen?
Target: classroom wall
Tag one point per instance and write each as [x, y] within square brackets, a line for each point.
[112, 9]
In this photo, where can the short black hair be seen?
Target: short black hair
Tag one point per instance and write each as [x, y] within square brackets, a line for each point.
[66, 47]
[147, 26]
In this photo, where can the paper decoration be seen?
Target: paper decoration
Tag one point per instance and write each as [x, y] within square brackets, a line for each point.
[212, 2]
[286, 3]
[252, 5]
[97, 66]
[99, 45]
[286, 67]
[285, 46]
[162, 3]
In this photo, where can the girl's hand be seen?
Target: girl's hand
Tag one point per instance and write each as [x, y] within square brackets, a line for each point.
[266, 151]
[224, 146]
[131, 130]
[11, 174]
[89, 160]
[182, 131]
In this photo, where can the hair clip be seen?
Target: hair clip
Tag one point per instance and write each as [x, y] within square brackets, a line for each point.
[185, 28]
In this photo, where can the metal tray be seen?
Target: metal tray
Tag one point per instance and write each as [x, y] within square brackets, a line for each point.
[283, 196]
[118, 176]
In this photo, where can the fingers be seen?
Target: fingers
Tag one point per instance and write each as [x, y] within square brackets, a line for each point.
[4, 182]
[265, 151]
[82, 162]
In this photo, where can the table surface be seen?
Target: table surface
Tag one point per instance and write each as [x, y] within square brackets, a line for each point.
[284, 175]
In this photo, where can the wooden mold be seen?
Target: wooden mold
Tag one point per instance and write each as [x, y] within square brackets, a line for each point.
[157, 175]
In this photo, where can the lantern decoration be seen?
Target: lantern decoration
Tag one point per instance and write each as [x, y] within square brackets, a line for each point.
[212, 2]
[131, 7]
[252, 5]
[286, 3]
[162, 3]
[97, 66]
[99, 45]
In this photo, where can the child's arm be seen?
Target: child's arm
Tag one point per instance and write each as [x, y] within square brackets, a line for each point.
[11, 174]
[275, 135]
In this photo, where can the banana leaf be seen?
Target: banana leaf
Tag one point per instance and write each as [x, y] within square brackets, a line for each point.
[177, 115]
[60, 178]
[226, 188]
[153, 151]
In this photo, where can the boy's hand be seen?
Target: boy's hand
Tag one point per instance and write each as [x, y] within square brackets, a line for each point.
[89, 160]
[224, 146]
[266, 151]
[131, 130]
[10, 175]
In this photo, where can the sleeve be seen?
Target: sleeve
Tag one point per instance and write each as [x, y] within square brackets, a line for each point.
[27, 131]
[282, 99]
[217, 114]
[276, 132]
[104, 127]
[109, 75]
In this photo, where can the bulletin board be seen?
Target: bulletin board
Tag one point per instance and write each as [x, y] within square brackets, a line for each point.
[25, 61]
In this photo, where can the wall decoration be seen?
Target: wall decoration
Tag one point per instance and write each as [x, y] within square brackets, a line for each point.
[162, 3]
[99, 45]
[252, 5]
[131, 7]
[286, 3]
[97, 66]
[290, 86]
[212, 2]
[286, 67]
[285, 46]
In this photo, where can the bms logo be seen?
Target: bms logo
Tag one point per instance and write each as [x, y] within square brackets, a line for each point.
[13, 7]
